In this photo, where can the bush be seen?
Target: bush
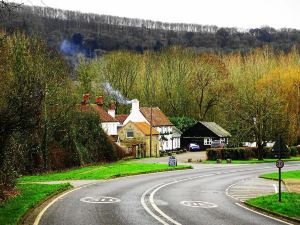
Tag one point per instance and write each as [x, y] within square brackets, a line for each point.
[269, 154]
[230, 153]
[294, 151]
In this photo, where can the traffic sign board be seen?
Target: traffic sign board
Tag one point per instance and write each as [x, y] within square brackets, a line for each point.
[172, 161]
[279, 164]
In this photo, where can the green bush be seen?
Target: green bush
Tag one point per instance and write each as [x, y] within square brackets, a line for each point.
[294, 151]
[269, 154]
[230, 153]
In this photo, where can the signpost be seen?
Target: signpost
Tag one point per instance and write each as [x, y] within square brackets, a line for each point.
[279, 165]
[172, 161]
[279, 146]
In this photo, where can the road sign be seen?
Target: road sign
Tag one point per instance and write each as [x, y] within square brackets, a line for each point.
[279, 164]
[172, 161]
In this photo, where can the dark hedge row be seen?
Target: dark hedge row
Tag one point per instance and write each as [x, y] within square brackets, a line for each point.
[246, 153]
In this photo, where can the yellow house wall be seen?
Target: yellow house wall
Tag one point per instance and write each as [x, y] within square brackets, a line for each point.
[155, 146]
[139, 137]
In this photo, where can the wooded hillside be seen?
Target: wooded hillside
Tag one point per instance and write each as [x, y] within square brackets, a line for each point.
[91, 34]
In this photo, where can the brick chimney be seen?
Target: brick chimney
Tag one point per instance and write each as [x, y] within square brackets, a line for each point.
[112, 109]
[99, 101]
[85, 99]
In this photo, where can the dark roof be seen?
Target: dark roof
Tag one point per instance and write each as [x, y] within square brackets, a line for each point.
[158, 117]
[206, 129]
[218, 130]
[121, 118]
[104, 116]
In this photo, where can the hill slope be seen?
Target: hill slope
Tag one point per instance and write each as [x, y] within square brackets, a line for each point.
[91, 34]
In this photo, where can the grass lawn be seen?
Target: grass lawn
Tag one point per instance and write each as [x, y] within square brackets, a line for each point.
[289, 206]
[102, 172]
[251, 161]
[13, 209]
[294, 174]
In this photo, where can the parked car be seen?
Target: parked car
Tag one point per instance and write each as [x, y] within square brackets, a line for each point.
[194, 147]
[217, 144]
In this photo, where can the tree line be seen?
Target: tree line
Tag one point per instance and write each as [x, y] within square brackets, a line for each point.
[41, 125]
[102, 33]
[255, 96]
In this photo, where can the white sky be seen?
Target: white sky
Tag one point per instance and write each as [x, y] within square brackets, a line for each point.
[223, 13]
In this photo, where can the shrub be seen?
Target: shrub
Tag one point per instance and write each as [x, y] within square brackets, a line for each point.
[230, 153]
[294, 151]
[268, 153]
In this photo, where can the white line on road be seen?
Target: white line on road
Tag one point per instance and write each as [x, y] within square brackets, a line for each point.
[158, 187]
[148, 210]
[273, 218]
[38, 218]
[155, 207]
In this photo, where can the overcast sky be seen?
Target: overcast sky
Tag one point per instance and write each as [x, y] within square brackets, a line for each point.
[223, 13]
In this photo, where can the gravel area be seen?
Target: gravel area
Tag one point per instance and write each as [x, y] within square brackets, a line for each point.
[181, 158]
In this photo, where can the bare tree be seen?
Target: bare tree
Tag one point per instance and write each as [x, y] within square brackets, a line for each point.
[6, 8]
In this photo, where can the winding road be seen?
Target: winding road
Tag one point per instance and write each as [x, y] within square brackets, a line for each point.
[197, 196]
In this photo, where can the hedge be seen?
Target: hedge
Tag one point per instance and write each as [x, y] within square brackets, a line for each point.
[243, 153]
[230, 153]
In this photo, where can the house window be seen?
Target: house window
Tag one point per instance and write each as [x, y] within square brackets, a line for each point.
[129, 134]
[223, 140]
[207, 141]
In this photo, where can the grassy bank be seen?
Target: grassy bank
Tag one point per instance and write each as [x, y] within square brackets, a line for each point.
[251, 161]
[295, 174]
[289, 206]
[102, 172]
[12, 210]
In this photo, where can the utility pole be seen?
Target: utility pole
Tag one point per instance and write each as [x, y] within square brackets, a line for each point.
[298, 110]
[151, 131]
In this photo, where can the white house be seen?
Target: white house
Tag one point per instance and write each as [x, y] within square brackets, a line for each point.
[108, 123]
[159, 121]
[176, 138]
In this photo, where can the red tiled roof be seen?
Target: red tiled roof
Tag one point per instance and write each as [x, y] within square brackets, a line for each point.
[104, 116]
[121, 118]
[158, 117]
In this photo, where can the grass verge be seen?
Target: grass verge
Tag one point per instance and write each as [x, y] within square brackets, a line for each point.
[12, 210]
[294, 174]
[251, 161]
[289, 206]
[105, 171]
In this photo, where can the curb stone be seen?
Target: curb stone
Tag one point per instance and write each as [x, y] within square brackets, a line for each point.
[277, 215]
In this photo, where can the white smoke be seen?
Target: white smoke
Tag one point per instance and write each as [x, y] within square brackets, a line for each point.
[115, 93]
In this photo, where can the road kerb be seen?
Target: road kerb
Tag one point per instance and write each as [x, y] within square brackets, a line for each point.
[277, 216]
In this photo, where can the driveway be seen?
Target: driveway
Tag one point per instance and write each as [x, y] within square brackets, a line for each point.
[181, 158]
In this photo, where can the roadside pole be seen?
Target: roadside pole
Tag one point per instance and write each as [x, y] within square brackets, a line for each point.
[151, 132]
[279, 163]
[279, 185]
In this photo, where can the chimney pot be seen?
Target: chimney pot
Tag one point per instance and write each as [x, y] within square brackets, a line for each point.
[85, 99]
[99, 100]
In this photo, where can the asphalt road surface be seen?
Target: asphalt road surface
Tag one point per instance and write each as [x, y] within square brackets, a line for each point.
[198, 196]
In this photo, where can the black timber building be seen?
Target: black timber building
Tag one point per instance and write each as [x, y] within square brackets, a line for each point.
[204, 133]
